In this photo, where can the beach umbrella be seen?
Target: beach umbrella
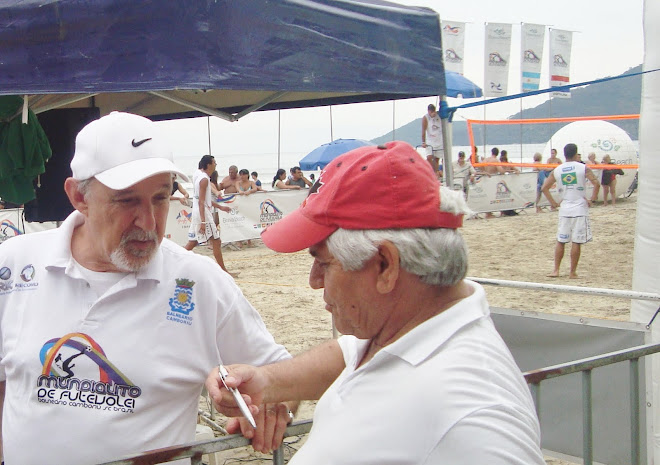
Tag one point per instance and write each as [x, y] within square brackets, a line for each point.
[460, 86]
[324, 154]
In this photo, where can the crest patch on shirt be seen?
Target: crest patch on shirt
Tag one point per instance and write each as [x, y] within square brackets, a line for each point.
[181, 304]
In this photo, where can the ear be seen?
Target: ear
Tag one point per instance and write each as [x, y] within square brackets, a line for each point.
[389, 267]
[75, 197]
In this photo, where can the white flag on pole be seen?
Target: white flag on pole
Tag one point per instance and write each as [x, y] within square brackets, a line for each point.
[453, 45]
[497, 54]
[560, 60]
[531, 41]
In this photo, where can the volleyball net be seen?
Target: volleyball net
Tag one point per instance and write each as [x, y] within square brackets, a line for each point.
[471, 123]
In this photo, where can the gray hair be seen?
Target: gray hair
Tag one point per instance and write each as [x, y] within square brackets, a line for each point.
[84, 186]
[437, 256]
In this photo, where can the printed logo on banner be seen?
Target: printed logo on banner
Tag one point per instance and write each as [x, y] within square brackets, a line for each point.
[8, 229]
[452, 57]
[184, 217]
[451, 29]
[269, 214]
[605, 145]
[495, 59]
[502, 190]
[495, 86]
[499, 31]
[559, 61]
[530, 57]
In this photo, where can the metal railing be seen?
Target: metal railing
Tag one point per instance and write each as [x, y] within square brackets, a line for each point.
[195, 450]
[585, 366]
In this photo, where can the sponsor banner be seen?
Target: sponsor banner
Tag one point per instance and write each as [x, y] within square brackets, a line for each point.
[560, 60]
[453, 45]
[250, 214]
[532, 38]
[497, 55]
[12, 224]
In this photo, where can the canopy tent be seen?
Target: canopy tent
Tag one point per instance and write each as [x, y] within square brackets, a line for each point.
[225, 58]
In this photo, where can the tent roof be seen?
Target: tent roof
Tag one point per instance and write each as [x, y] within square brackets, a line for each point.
[223, 57]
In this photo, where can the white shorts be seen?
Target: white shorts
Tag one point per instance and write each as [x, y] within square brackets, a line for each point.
[210, 232]
[434, 151]
[575, 229]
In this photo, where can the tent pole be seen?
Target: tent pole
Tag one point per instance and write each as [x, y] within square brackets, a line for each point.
[331, 135]
[447, 171]
[279, 132]
[393, 117]
[208, 131]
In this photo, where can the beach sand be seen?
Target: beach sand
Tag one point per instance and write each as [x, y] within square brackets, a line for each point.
[517, 248]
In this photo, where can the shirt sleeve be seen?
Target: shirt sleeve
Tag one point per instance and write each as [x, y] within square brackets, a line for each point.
[242, 336]
[496, 436]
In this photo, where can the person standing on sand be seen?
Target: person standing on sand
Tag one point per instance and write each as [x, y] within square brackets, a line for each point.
[574, 224]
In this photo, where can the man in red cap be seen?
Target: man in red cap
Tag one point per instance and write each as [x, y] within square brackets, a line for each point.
[420, 375]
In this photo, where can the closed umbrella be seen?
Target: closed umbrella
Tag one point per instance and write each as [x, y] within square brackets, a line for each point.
[324, 154]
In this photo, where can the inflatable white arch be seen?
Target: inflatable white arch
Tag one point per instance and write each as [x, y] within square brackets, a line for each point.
[602, 138]
[646, 269]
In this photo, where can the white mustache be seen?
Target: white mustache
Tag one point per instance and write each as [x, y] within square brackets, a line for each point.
[139, 235]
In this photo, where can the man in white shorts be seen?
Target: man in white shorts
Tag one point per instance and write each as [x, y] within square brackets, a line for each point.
[574, 224]
[202, 227]
[432, 138]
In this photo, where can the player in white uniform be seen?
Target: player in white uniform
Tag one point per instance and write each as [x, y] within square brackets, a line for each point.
[432, 138]
[574, 223]
[202, 227]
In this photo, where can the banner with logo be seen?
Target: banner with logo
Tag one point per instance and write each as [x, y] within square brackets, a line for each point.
[12, 224]
[250, 214]
[453, 45]
[560, 60]
[497, 55]
[531, 41]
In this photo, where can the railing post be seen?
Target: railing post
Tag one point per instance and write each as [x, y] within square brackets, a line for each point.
[535, 389]
[587, 436]
[634, 412]
[278, 456]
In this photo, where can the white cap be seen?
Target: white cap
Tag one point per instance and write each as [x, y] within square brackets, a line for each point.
[122, 149]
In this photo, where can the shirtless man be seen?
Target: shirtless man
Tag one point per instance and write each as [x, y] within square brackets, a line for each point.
[493, 159]
[228, 183]
[554, 159]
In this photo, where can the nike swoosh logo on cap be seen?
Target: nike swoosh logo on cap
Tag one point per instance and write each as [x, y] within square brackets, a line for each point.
[139, 143]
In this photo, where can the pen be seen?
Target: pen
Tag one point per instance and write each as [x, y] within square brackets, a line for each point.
[237, 396]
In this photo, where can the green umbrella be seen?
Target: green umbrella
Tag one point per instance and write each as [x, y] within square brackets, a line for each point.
[24, 151]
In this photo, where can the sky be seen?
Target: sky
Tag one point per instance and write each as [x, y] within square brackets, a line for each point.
[607, 40]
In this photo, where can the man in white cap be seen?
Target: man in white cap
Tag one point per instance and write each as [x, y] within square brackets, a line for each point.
[420, 375]
[108, 330]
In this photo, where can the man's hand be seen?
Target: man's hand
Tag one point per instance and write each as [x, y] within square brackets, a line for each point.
[271, 420]
[247, 379]
[225, 209]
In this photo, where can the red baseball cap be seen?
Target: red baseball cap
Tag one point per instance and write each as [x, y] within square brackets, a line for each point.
[385, 187]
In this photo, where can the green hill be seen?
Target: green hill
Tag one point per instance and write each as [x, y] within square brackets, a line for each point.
[616, 97]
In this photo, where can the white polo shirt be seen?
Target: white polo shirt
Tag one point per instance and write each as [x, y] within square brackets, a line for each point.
[92, 379]
[447, 392]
